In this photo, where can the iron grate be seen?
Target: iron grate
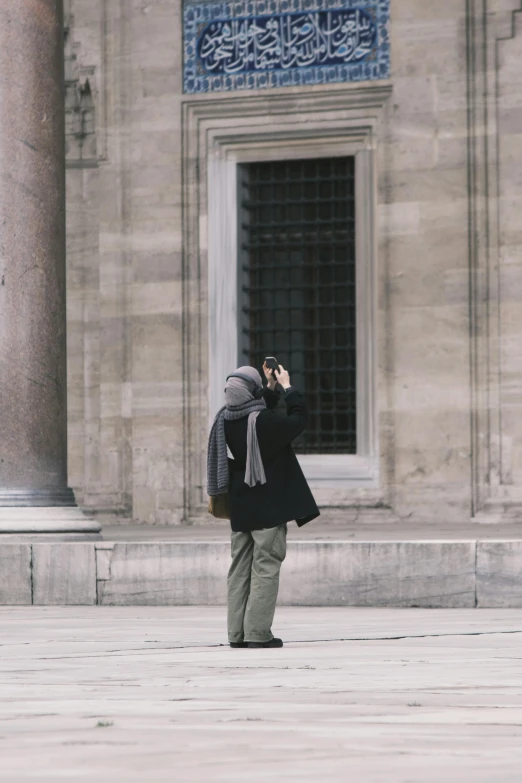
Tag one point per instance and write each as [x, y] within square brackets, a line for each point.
[297, 287]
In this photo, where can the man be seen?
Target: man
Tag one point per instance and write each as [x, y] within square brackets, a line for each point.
[266, 489]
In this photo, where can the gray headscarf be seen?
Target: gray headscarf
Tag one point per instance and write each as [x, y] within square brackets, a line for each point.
[239, 402]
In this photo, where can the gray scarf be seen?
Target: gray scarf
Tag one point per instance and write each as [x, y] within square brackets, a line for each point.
[240, 402]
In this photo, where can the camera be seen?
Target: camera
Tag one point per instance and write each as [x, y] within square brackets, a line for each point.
[272, 364]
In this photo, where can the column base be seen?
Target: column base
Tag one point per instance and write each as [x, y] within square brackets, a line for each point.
[47, 524]
[55, 496]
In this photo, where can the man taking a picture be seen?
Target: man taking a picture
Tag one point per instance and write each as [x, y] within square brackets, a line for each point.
[266, 489]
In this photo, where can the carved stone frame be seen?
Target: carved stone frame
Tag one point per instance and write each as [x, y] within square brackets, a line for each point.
[217, 135]
[492, 499]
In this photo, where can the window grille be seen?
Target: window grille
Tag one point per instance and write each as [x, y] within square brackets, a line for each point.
[297, 287]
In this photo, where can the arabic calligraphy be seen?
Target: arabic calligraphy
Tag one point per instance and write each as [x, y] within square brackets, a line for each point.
[286, 41]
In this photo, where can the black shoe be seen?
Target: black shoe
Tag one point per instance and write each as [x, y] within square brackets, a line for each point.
[271, 643]
[239, 644]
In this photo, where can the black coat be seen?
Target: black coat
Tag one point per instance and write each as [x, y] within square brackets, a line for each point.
[286, 494]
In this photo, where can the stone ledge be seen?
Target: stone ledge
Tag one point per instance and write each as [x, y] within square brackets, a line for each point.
[15, 574]
[387, 573]
[64, 574]
[499, 574]
[438, 574]
[435, 574]
[335, 527]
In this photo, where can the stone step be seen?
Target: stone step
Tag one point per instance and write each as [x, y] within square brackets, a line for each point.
[396, 573]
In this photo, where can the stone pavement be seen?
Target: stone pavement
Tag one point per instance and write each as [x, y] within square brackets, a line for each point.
[364, 695]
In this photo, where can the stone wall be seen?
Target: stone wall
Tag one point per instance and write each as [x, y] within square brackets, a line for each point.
[449, 434]
[424, 351]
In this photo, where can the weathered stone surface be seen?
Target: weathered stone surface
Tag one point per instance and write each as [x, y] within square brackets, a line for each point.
[97, 694]
[322, 572]
[33, 414]
[103, 562]
[132, 441]
[48, 521]
[15, 574]
[499, 573]
[64, 574]
[407, 573]
[437, 574]
[164, 573]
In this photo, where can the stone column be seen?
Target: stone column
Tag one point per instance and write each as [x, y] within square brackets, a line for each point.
[33, 409]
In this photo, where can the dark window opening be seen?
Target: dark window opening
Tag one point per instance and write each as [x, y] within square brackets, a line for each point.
[297, 287]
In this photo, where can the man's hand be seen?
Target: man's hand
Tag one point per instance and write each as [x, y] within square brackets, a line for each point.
[283, 377]
[269, 375]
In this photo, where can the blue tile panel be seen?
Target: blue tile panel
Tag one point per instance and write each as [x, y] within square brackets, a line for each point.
[252, 44]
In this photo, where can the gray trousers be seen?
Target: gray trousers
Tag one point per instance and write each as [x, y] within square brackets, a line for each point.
[253, 583]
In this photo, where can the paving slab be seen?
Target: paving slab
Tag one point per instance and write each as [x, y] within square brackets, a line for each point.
[153, 693]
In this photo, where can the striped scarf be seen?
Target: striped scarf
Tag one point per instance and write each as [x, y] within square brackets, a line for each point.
[217, 459]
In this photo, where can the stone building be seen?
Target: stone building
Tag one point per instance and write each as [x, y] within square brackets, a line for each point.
[335, 182]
